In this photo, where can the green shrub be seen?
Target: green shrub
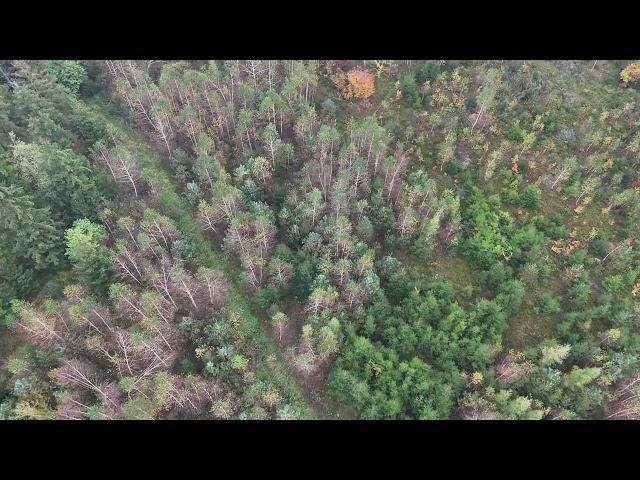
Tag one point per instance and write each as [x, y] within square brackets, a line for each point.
[530, 197]
[547, 304]
[614, 283]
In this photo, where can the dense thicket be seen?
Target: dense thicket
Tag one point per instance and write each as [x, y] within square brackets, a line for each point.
[46, 178]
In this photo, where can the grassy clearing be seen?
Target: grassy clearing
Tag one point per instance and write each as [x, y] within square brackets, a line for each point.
[527, 328]
[454, 268]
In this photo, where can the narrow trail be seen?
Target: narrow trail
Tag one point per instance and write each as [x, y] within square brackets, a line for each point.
[270, 362]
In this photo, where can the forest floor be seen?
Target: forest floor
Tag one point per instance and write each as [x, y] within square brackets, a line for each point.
[270, 361]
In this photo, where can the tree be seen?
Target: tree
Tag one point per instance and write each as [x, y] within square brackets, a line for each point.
[27, 233]
[46, 330]
[82, 374]
[245, 127]
[321, 299]
[553, 353]
[547, 304]
[280, 271]
[328, 338]
[161, 119]
[588, 187]
[625, 402]
[379, 386]
[224, 408]
[280, 322]
[564, 171]
[624, 197]
[578, 378]
[188, 288]
[353, 294]
[487, 94]
[225, 202]
[630, 73]
[69, 73]
[502, 404]
[126, 302]
[160, 228]
[492, 163]
[216, 287]
[154, 305]
[210, 216]
[342, 271]
[91, 260]
[394, 167]
[362, 83]
[447, 149]
[513, 368]
[313, 205]
[262, 169]
[272, 142]
[121, 167]
[209, 171]
[127, 263]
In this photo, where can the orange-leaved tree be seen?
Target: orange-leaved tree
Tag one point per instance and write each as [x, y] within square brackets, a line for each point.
[362, 83]
[631, 73]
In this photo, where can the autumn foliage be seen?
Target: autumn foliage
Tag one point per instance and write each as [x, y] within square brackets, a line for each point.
[362, 83]
[631, 73]
[355, 84]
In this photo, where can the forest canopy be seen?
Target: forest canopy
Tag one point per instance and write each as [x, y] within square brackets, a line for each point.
[328, 239]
